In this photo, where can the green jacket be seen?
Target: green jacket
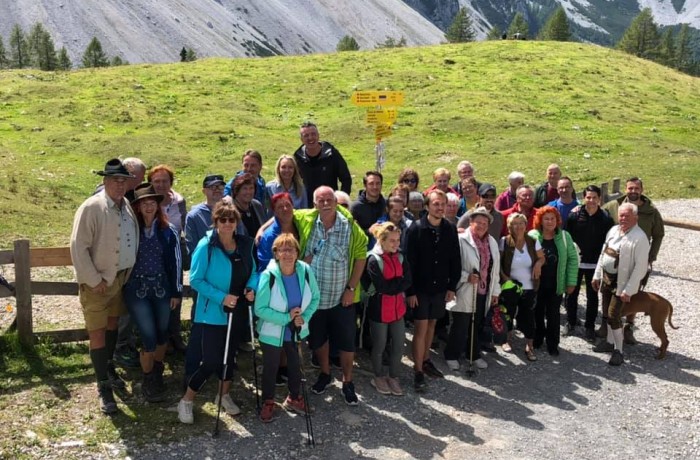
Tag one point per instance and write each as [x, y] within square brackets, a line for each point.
[567, 267]
[271, 305]
[304, 220]
[650, 221]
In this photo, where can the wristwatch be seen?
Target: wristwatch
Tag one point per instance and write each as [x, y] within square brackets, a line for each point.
[351, 289]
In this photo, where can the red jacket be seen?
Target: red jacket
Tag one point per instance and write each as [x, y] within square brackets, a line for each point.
[514, 209]
[388, 304]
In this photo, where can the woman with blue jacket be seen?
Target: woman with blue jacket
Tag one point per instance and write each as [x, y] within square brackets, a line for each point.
[222, 272]
[287, 297]
[559, 274]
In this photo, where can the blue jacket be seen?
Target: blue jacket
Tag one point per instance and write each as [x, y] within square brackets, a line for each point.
[197, 224]
[210, 276]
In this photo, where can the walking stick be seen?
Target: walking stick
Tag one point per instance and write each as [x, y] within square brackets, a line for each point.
[223, 374]
[471, 370]
[311, 441]
[255, 364]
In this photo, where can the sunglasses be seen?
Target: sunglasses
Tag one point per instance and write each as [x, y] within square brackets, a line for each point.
[216, 188]
[226, 220]
[410, 181]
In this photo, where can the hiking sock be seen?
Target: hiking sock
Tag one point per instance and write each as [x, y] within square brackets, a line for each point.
[610, 338]
[100, 359]
[110, 342]
[618, 338]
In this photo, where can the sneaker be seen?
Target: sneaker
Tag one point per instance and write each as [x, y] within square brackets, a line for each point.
[107, 403]
[268, 412]
[281, 378]
[381, 385]
[349, 394]
[114, 378]
[295, 405]
[419, 383]
[227, 403]
[481, 363]
[394, 386]
[432, 371]
[569, 330]
[127, 358]
[506, 347]
[452, 364]
[553, 351]
[604, 347]
[616, 359]
[184, 412]
[590, 335]
[323, 382]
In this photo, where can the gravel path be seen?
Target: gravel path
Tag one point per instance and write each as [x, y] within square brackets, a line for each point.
[575, 406]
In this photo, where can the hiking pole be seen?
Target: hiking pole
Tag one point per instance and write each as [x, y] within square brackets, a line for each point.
[471, 370]
[311, 441]
[255, 364]
[223, 374]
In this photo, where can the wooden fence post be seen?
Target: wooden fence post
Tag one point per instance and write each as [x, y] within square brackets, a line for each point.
[23, 292]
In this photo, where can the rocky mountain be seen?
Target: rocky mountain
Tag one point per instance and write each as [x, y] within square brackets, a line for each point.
[156, 30]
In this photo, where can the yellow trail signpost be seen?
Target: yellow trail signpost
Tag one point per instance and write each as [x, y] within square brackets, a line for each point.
[379, 116]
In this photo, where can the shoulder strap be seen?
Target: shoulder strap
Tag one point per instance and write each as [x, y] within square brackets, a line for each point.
[272, 280]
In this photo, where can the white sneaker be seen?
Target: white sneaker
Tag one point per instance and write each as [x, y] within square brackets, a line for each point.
[481, 363]
[229, 406]
[184, 411]
[452, 364]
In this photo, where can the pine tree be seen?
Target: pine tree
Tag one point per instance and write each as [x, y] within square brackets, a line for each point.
[64, 62]
[19, 53]
[557, 27]
[191, 56]
[684, 53]
[667, 49]
[347, 43]
[183, 54]
[391, 42]
[642, 37]
[94, 56]
[494, 34]
[519, 27]
[3, 55]
[462, 29]
[41, 48]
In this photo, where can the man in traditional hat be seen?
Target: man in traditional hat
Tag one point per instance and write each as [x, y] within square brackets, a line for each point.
[103, 249]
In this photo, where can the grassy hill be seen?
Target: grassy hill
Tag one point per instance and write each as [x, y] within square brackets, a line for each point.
[505, 106]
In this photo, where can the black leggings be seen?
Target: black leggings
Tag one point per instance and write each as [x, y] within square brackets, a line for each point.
[524, 314]
[271, 362]
[212, 346]
[547, 307]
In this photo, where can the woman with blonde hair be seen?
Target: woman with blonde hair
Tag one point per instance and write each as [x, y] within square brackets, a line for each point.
[287, 179]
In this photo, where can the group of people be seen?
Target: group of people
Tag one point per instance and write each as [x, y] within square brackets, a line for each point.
[300, 262]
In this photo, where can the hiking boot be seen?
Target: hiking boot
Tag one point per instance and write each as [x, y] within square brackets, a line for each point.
[150, 390]
[419, 383]
[569, 330]
[349, 394]
[452, 364]
[268, 413]
[381, 385]
[323, 382]
[602, 331]
[553, 351]
[127, 358]
[227, 403]
[432, 371]
[394, 386]
[616, 359]
[107, 403]
[178, 344]
[184, 412]
[481, 363]
[114, 379]
[628, 332]
[604, 347]
[295, 405]
[158, 369]
[590, 334]
[281, 378]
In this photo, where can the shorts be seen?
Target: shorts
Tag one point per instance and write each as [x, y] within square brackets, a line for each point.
[430, 306]
[336, 325]
[98, 307]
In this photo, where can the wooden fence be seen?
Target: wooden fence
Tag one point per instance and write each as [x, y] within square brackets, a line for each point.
[25, 258]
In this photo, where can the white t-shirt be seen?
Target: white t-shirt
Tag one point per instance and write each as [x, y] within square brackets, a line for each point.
[521, 267]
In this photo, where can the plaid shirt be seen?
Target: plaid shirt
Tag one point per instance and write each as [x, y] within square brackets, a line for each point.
[330, 259]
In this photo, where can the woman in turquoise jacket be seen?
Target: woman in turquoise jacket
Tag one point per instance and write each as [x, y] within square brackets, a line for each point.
[559, 275]
[287, 298]
[224, 275]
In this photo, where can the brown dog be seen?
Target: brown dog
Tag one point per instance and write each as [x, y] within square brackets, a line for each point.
[658, 309]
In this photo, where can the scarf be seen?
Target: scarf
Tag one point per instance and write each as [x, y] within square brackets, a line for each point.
[482, 246]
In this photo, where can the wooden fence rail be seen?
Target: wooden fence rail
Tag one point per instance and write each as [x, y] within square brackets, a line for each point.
[25, 258]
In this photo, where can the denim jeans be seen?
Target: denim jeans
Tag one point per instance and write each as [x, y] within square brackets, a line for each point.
[148, 303]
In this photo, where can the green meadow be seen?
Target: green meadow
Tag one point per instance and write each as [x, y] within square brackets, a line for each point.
[507, 105]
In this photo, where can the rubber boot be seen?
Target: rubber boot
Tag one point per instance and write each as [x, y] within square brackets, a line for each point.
[149, 388]
[629, 334]
[602, 331]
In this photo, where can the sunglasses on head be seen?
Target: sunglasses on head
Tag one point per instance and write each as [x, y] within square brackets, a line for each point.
[226, 220]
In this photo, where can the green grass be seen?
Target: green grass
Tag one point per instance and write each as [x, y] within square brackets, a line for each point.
[502, 105]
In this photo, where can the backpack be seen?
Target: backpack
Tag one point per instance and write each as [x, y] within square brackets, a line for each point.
[371, 289]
